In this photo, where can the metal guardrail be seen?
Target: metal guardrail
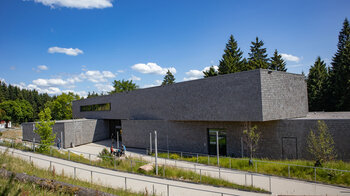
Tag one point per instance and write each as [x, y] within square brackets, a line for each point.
[168, 186]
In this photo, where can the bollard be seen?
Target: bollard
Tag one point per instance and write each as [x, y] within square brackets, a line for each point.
[125, 184]
[245, 178]
[252, 179]
[200, 175]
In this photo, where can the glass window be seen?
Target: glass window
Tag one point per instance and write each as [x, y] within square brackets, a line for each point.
[96, 107]
[212, 141]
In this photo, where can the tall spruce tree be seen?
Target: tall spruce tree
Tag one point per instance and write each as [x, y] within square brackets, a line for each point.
[316, 86]
[257, 56]
[232, 61]
[169, 78]
[210, 72]
[277, 62]
[340, 72]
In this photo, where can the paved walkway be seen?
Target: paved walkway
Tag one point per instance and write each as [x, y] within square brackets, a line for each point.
[116, 179]
[277, 185]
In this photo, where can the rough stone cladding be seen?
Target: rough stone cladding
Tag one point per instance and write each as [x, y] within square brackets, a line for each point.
[193, 136]
[284, 95]
[230, 97]
[75, 132]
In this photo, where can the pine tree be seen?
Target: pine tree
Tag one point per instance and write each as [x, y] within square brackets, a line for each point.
[316, 85]
[210, 72]
[340, 72]
[231, 61]
[257, 56]
[168, 78]
[277, 62]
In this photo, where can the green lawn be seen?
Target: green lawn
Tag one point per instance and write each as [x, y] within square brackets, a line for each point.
[277, 167]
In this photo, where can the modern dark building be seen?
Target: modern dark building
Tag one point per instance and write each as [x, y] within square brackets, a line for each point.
[187, 115]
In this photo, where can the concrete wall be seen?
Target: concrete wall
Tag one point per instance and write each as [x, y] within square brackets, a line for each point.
[230, 97]
[75, 132]
[280, 139]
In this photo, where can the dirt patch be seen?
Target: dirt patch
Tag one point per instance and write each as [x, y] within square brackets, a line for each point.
[15, 133]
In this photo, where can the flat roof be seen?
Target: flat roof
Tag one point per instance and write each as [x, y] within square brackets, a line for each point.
[325, 116]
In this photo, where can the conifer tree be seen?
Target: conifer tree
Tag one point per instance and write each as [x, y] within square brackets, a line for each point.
[277, 62]
[231, 61]
[316, 86]
[168, 78]
[340, 72]
[210, 72]
[257, 56]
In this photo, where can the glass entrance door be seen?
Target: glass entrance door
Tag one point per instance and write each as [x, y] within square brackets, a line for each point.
[212, 141]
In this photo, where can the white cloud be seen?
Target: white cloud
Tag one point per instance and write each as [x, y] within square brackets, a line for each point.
[67, 51]
[152, 68]
[289, 57]
[40, 68]
[104, 87]
[80, 93]
[134, 78]
[97, 76]
[155, 83]
[194, 74]
[50, 82]
[80, 4]
[120, 71]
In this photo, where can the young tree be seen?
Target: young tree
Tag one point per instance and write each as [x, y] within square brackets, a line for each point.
[316, 85]
[257, 56]
[321, 144]
[168, 78]
[340, 72]
[251, 138]
[122, 86]
[210, 72]
[277, 62]
[232, 61]
[44, 130]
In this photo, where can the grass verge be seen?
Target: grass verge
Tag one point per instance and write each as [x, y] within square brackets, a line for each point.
[277, 168]
[18, 165]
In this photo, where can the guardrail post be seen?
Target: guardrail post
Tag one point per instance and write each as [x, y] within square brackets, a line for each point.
[90, 159]
[208, 159]
[256, 166]
[68, 154]
[125, 184]
[200, 175]
[75, 173]
[114, 163]
[91, 176]
[315, 173]
[230, 163]
[168, 154]
[270, 183]
[167, 188]
[50, 151]
[181, 156]
[50, 165]
[288, 171]
[197, 157]
[219, 173]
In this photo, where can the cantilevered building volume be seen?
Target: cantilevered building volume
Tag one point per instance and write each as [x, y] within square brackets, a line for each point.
[186, 116]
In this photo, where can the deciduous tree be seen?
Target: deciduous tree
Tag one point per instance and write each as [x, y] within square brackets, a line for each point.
[44, 130]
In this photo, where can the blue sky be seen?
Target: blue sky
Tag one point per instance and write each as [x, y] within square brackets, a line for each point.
[57, 46]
